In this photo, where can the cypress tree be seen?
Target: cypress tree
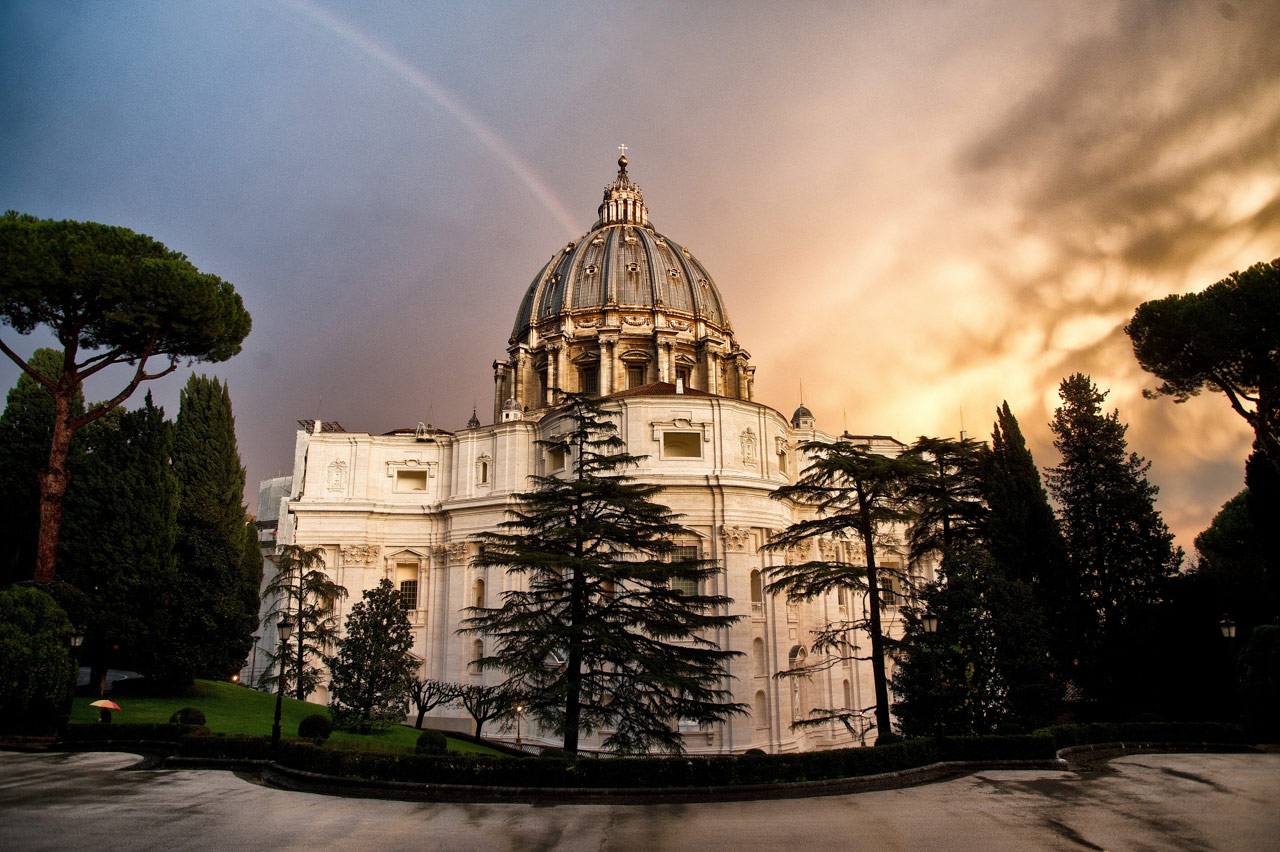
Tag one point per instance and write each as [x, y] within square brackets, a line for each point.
[118, 538]
[1120, 551]
[216, 617]
[1021, 532]
[372, 672]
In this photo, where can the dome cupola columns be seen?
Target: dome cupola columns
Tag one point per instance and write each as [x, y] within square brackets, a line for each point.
[620, 307]
[623, 202]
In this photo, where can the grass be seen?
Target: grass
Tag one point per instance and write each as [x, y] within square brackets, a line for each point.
[233, 709]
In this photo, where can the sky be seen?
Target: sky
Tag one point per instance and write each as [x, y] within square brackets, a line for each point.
[916, 209]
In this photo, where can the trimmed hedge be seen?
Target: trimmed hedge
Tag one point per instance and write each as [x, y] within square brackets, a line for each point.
[315, 727]
[127, 731]
[617, 773]
[1065, 736]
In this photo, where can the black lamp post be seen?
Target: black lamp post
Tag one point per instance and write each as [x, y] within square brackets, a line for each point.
[519, 711]
[930, 622]
[283, 631]
[74, 641]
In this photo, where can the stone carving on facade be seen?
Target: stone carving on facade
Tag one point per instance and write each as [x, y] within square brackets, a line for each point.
[736, 538]
[798, 552]
[679, 325]
[337, 475]
[636, 321]
[749, 444]
[411, 463]
[829, 549]
[360, 554]
[781, 447]
[457, 552]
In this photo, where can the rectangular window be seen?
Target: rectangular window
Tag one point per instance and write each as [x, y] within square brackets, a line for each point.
[411, 480]
[409, 594]
[683, 374]
[684, 585]
[555, 459]
[589, 380]
[635, 377]
[682, 445]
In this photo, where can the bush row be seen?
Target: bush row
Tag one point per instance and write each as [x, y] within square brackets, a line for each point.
[1065, 736]
[660, 771]
[132, 731]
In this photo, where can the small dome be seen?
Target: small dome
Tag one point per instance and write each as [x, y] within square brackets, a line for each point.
[474, 422]
[511, 404]
[802, 413]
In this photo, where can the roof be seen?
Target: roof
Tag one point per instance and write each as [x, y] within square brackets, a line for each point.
[659, 389]
[325, 426]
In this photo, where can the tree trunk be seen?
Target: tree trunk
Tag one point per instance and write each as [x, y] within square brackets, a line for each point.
[883, 723]
[54, 480]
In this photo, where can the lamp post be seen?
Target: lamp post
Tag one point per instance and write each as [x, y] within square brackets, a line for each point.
[283, 631]
[74, 641]
[519, 710]
[1228, 627]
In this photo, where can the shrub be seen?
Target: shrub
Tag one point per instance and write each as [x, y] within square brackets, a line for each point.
[888, 738]
[236, 747]
[187, 716]
[431, 742]
[755, 751]
[315, 727]
[35, 663]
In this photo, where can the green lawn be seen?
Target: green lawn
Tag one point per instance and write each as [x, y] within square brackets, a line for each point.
[233, 709]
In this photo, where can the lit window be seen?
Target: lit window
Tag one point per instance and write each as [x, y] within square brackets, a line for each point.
[411, 480]
[682, 445]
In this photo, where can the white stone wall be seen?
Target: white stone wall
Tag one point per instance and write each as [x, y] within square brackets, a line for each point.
[381, 506]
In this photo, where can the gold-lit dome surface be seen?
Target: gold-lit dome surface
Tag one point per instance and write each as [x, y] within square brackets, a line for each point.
[621, 263]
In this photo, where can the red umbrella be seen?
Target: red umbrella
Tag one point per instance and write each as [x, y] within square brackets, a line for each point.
[110, 705]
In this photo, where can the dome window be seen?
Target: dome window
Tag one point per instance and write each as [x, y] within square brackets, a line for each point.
[675, 273]
[633, 267]
[592, 269]
[598, 241]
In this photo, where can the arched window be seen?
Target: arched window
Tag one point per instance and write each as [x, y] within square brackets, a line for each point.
[478, 593]
[761, 709]
[757, 657]
[757, 593]
[848, 695]
[477, 652]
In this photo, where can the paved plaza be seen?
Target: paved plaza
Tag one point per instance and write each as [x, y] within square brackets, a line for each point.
[1188, 802]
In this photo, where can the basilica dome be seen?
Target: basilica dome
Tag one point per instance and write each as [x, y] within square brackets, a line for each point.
[620, 308]
[623, 262]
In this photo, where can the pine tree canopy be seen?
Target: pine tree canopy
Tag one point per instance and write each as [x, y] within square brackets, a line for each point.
[110, 297]
[607, 623]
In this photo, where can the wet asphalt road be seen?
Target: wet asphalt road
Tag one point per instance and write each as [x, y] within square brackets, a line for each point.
[1186, 802]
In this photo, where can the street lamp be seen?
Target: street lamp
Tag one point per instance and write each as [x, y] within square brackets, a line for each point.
[283, 631]
[1228, 627]
[519, 710]
[930, 622]
[74, 641]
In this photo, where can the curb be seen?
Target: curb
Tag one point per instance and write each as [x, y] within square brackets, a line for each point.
[301, 781]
